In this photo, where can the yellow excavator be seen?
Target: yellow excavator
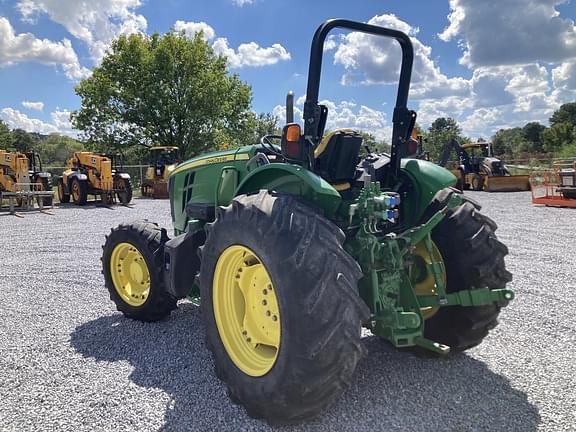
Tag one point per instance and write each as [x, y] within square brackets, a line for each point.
[89, 173]
[479, 170]
[22, 177]
[163, 160]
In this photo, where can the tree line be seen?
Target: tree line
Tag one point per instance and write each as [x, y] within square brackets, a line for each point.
[54, 149]
[533, 140]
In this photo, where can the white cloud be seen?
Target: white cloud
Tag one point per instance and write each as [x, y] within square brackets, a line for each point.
[61, 119]
[38, 106]
[95, 22]
[510, 32]
[565, 76]
[330, 43]
[60, 122]
[376, 60]
[345, 114]
[247, 55]
[241, 3]
[17, 120]
[250, 54]
[25, 47]
[191, 28]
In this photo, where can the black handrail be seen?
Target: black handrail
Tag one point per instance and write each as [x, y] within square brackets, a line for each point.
[403, 119]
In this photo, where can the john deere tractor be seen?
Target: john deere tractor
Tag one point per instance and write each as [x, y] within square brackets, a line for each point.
[291, 249]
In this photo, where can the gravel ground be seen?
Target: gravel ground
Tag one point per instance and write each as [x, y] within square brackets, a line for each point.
[70, 362]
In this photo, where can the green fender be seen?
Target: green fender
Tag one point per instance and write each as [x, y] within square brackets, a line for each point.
[427, 178]
[294, 180]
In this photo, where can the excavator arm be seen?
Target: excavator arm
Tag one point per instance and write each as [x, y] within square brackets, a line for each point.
[447, 149]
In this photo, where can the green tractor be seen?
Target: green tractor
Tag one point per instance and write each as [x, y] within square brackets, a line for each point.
[291, 249]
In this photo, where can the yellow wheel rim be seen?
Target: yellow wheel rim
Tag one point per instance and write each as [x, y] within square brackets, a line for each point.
[246, 310]
[130, 274]
[424, 282]
[76, 191]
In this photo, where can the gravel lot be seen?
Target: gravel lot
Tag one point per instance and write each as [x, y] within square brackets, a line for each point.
[70, 362]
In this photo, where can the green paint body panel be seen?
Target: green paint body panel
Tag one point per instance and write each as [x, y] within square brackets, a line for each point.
[295, 180]
[197, 180]
[426, 179]
[207, 180]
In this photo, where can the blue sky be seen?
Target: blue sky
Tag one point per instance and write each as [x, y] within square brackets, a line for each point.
[489, 64]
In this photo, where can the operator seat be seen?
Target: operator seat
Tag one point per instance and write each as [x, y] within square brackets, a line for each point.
[336, 157]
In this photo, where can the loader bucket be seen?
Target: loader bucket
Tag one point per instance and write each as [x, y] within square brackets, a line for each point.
[515, 183]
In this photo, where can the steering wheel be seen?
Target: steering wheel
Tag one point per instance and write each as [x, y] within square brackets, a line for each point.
[266, 142]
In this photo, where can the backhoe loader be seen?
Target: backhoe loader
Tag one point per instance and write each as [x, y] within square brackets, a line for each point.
[479, 170]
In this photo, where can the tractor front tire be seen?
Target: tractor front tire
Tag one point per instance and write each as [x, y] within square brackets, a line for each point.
[473, 258]
[132, 269]
[281, 307]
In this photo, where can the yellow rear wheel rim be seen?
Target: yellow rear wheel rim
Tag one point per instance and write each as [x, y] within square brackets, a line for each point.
[130, 274]
[246, 310]
[427, 284]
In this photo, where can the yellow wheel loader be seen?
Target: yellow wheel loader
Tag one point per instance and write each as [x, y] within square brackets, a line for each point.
[95, 174]
[23, 180]
[163, 160]
[479, 170]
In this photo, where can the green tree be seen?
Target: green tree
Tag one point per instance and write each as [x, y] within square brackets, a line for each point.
[533, 134]
[6, 138]
[56, 149]
[510, 143]
[442, 130]
[23, 141]
[566, 114]
[258, 126]
[167, 90]
[558, 136]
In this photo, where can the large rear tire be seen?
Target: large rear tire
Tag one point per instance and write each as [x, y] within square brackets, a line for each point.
[473, 258]
[300, 362]
[132, 269]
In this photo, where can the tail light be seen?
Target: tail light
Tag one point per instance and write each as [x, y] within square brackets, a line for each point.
[291, 144]
[411, 146]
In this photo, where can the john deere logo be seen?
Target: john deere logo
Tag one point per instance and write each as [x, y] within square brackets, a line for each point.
[8, 158]
[216, 160]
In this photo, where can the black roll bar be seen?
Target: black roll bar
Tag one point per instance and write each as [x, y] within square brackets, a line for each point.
[403, 119]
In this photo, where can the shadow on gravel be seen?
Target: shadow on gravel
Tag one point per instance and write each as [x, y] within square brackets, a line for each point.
[393, 391]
